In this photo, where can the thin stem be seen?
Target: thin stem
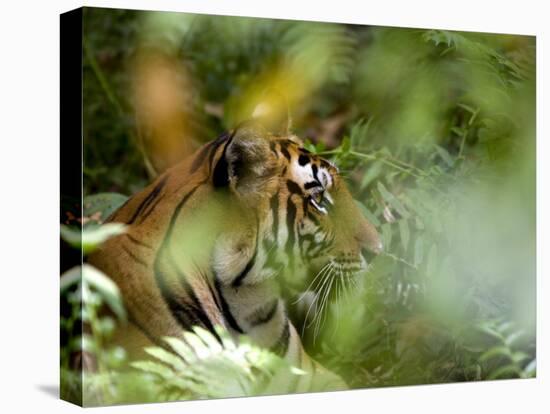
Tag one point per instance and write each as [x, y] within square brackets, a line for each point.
[117, 105]
[390, 161]
[101, 79]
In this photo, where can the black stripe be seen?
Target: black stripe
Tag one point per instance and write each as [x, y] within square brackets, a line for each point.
[180, 311]
[305, 203]
[195, 309]
[113, 215]
[314, 218]
[239, 279]
[325, 164]
[314, 169]
[176, 214]
[303, 239]
[150, 197]
[312, 184]
[281, 346]
[303, 160]
[290, 218]
[134, 257]
[285, 152]
[213, 293]
[220, 172]
[264, 314]
[274, 203]
[207, 150]
[200, 157]
[273, 148]
[189, 313]
[226, 312]
[137, 241]
[150, 210]
[215, 148]
[309, 237]
[293, 187]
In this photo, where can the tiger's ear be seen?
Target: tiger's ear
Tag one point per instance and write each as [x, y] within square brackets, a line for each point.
[246, 164]
[273, 113]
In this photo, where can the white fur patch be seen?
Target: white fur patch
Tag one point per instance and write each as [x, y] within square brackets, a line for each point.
[301, 173]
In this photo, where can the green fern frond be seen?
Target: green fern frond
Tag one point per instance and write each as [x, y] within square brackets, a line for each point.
[199, 366]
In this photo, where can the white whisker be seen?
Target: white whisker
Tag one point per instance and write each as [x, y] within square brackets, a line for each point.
[312, 282]
[325, 272]
[325, 279]
[324, 300]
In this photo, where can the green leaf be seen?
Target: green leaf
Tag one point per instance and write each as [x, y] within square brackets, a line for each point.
[458, 131]
[106, 288]
[72, 235]
[366, 212]
[154, 368]
[345, 146]
[166, 357]
[511, 339]
[208, 338]
[489, 330]
[386, 235]
[519, 356]
[499, 351]
[84, 343]
[467, 108]
[93, 236]
[102, 204]
[210, 368]
[445, 156]
[508, 371]
[372, 172]
[70, 278]
[531, 369]
[181, 348]
[393, 201]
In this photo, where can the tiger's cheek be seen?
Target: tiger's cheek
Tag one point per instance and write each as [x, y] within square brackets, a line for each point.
[310, 235]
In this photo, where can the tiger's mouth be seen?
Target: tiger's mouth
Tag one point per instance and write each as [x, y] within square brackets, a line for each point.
[349, 268]
[340, 267]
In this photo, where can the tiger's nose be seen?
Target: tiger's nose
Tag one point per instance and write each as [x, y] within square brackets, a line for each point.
[368, 238]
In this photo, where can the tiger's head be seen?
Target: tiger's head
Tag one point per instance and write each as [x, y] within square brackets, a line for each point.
[296, 202]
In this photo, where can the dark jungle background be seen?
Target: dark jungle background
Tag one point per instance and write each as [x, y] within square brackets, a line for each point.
[435, 133]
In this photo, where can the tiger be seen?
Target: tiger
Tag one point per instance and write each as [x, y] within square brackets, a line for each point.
[208, 241]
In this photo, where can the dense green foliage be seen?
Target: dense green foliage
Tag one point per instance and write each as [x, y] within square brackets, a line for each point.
[435, 133]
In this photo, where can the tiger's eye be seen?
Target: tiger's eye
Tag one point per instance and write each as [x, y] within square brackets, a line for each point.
[318, 201]
[319, 197]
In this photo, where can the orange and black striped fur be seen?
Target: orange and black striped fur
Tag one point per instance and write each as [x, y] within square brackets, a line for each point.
[208, 240]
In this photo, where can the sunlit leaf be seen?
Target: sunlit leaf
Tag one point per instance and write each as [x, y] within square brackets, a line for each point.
[105, 287]
[93, 236]
[392, 200]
